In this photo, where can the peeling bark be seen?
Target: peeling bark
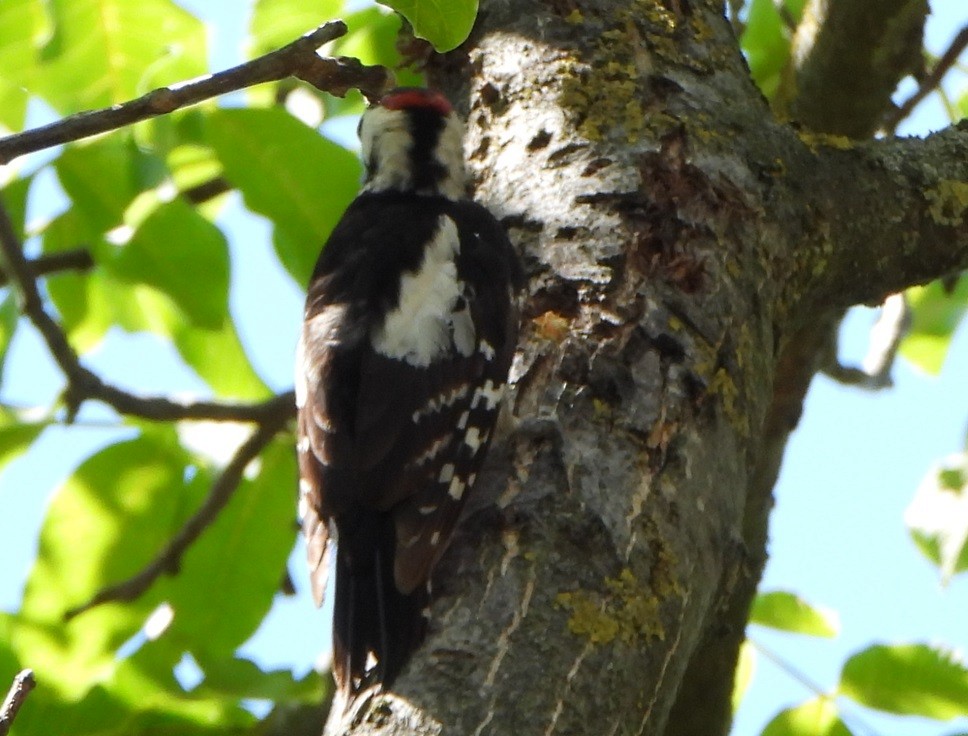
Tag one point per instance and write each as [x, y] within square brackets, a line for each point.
[676, 238]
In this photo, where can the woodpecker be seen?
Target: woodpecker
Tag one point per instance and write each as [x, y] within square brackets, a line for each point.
[410, 327]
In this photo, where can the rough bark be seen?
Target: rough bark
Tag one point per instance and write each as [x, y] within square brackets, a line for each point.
[676, 239]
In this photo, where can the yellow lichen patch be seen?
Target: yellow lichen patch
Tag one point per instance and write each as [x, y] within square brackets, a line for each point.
[575, 17]
[605, 92]
[948, 202]
[815, 141]
[724, 386]
[629, 610]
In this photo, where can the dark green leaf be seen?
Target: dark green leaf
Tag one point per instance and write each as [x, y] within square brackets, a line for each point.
[289, 173]
[239, 678]
[106, 51]
[910, 679]
[936, 311]
[445, 23]
[103, 177]
[183, 255]
[817, 717]
[14, 195]
[17, 432]
[789, 612]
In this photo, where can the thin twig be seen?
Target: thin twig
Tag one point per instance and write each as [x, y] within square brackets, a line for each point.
[169, 560]
[83, 384]
[23, 683]
[76, 259]
[930, 81]
[297, 59]
[885, 340]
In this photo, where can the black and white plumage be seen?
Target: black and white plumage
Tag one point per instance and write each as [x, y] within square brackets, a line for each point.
[409, 331]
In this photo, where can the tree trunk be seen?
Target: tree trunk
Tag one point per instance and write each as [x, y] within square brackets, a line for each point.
[677, 238]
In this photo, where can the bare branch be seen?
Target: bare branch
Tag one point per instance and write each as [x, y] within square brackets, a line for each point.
[23, 683]
[874, 372]
[76, 259]
[83, 384]
[931, 80]
[169, 560]
[298, 59]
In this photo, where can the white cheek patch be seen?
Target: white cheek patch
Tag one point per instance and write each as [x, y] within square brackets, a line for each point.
[385, 138]
[420, 329]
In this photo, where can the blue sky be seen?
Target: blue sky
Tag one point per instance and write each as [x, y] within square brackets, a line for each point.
[837, 535]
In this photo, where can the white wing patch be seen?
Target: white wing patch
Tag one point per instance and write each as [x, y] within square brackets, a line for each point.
[426, 322]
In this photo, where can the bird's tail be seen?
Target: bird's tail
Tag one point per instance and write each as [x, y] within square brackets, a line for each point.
[375, 626]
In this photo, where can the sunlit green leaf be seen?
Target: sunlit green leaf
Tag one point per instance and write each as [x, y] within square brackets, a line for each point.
[278, 22]
[23, 24]
[766, 42]
[938, 516]
[245, 551]
[745, 669]
[106, 51]
[909, 679]
[818, 717]
[180, 253]
[789, 612]
[290, 174]
[936, 311]
[107, 521]
[445, 23]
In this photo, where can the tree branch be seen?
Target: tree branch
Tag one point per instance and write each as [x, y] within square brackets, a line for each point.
[23, 683]
[83, 384]
[221, 492]
[849, 60]
[298, 59]
[930, 82]
[76, 259]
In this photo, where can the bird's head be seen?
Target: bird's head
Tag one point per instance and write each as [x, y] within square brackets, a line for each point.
[412, 141]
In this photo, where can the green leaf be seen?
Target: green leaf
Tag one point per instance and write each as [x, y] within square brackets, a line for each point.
[103, 52]
[276, 23]
[89, 304]
[938, 516]
[241, 678]
[17, 432]
[183, 255]
[766, 43]
[789, 612]
[15, 195]
[445, 23]
[372, 39]
[9, 317]
[23, 26]
[104, 176]
[745, 669]
[230, 575]
[289, 173]
[910, 679]
[818, 717]
[108, 520]
[936, 311]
